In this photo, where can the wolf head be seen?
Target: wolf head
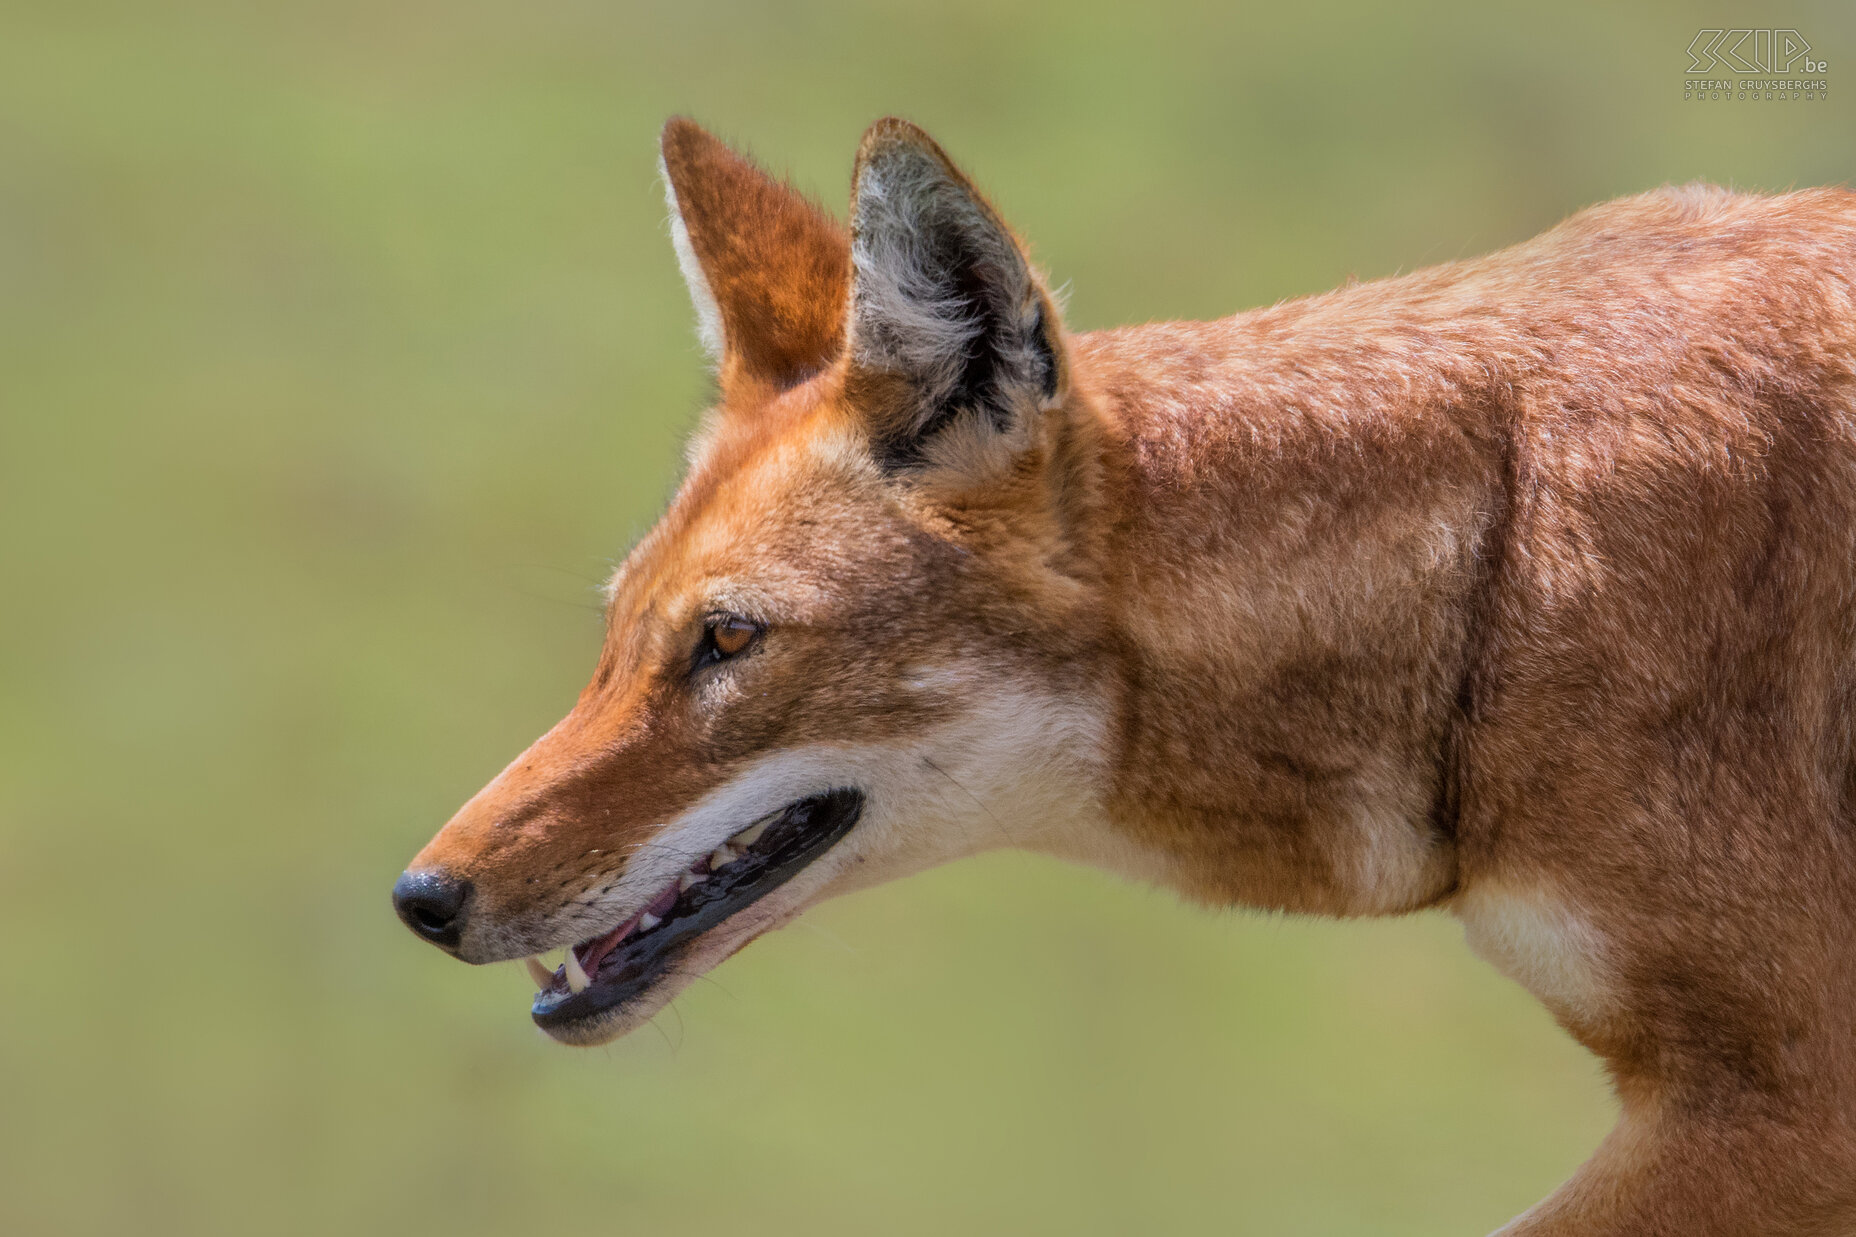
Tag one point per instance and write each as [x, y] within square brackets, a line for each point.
[862, 639]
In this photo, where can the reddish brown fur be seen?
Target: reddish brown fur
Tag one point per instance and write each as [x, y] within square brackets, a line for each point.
[1524, 586]
[776, 265]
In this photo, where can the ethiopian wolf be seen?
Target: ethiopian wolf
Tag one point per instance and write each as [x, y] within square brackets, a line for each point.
[1523, 587]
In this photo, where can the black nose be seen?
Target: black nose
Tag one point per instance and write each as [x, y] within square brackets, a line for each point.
[432, 904]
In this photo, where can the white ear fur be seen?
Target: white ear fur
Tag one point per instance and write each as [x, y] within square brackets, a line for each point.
[936, 280]
[708, 313]
[905, 316]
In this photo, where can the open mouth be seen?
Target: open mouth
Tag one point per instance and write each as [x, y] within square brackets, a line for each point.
[607, 972]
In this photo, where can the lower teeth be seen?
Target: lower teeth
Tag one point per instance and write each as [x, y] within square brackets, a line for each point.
[577, 978]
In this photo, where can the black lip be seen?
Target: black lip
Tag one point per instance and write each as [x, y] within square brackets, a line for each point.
[803, 831]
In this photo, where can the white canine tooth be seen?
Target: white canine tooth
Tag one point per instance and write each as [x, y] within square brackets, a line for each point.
[576, 974]
[748, 836]
[721, 857]
[689, 880]
[647, 921]
[543, 977]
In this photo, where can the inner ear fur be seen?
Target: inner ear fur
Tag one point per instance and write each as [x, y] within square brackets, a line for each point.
[951, 330]
[768, 270]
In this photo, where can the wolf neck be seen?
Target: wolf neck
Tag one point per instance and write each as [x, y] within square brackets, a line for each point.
[1291, 576]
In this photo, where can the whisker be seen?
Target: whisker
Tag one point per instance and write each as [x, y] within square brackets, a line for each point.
[1004, 832]
[681, 1032]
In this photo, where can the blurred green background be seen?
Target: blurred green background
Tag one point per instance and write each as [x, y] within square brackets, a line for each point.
[342, 349]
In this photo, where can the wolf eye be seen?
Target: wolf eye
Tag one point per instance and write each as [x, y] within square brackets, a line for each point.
[724, 637]
[732, 635]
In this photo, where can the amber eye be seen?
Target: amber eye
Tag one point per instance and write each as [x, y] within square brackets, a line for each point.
[732, 635]
[726, 636]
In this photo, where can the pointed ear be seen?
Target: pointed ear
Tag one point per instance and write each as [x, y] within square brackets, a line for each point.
[950, 326]
[768, 270]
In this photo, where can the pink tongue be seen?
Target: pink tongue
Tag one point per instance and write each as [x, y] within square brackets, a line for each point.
[597, 951]
[665, 901]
